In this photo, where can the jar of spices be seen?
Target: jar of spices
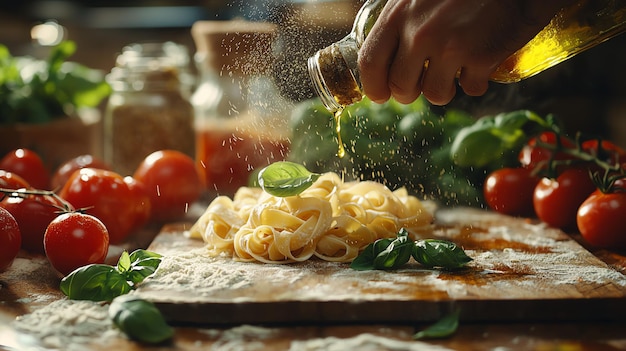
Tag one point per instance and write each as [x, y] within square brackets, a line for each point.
[149, 109]
[242, 120]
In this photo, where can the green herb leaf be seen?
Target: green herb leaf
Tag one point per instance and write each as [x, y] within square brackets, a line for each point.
[144, 264]
[396, 254]
[365, 260]
[140, 319]
[100, 282]
[95, 282]
[443, 328]
[440, 253]
[393, 253]
[493, 140]
[385, 253]
[123, 264]
[286, 178]
[141, 256]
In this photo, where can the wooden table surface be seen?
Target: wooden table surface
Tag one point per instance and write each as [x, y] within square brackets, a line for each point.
[31, 278]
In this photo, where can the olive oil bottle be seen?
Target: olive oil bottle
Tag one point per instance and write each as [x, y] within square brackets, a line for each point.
[335, 75]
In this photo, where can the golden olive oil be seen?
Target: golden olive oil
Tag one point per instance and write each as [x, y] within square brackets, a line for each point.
[341, 151]
[335, 73]
[575, 29]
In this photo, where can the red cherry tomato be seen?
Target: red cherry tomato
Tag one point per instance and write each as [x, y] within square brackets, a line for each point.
[28, 165]
[533, 155]
[74, 239]
[601, 222]
[141, 201]
[608, 152]
[172, 182]
[33, 213]
[9, 180]
[63, 173]
[510, 191]
[105, 195]
[556, 201]
[10, 239]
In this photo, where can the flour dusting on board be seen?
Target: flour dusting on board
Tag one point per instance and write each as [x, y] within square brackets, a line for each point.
[69, 325]
[513, 260]
[362, 342]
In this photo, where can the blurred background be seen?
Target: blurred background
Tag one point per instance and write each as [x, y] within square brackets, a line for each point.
[587, 92]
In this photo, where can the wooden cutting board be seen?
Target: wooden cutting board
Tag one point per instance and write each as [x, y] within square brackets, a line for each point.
[522, 271]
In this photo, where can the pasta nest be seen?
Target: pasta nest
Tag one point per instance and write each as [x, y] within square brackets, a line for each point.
[332, 220]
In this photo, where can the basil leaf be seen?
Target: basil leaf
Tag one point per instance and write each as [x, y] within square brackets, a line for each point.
[476, 146]
[396, 254]
[138, 273]
[365, 260]
[443, 328]
[141, 255]
[286, 178]
[94, 282]
[100, 282]
[123, 264]
[140, 319]
[144, 264]
[510, 122]
[440, 253]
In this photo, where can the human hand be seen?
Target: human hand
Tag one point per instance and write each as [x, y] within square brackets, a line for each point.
[422, 46]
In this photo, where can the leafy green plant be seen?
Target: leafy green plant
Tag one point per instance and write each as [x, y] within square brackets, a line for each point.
[101, 282]
[439, 154]
[39, 91]
[492, 138]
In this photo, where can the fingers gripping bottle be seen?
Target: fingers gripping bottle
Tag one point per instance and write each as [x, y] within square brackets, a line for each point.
[335, 74]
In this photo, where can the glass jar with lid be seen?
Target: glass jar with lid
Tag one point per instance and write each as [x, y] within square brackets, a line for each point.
[149, 109]
[242, 121]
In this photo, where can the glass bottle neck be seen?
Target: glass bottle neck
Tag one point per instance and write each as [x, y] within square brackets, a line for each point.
[335, 74]
[334, 70]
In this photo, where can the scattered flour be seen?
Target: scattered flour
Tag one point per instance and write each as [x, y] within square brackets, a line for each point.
[37, 298]
[68, 325]
[193, 276]
[194, 271]
[362, 342]
[251, 338]
[243, 337]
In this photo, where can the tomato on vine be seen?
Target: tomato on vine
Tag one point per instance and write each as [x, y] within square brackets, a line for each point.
[600, 218]
[10, 239]
[510, 191]
[9, 180]
[33, 213]
[107, 196]
[172, 182]
[139, 198]
[605, 151]
[28, 165]
[556, 200]
[65, 170]
[75, 239]
[537, 153]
